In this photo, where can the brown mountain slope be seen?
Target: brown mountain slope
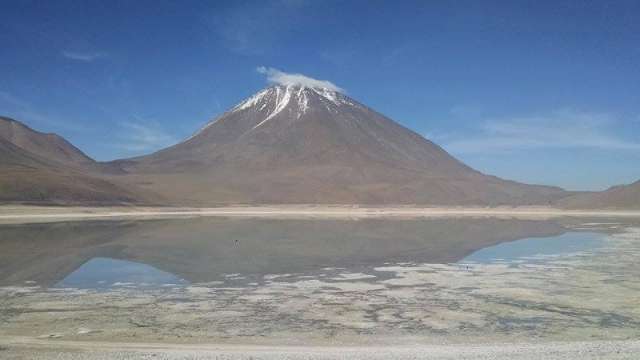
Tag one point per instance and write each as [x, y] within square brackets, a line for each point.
[617, 197]
[295, 144]
[47, 146]
[28, 178]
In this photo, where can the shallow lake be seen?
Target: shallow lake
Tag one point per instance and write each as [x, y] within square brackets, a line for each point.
[157, 253]
[322, 281]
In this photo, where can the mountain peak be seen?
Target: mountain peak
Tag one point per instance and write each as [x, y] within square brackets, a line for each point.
[296, 98]
[282, 94]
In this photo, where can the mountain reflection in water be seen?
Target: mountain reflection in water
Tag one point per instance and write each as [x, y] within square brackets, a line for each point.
[204, 249]
[537, 249]
[107, 273]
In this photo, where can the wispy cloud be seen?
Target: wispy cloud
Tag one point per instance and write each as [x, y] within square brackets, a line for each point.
[392, 56]
[23, 110]
[256, 27]
[563, 129]
[138, 137]
[83, 56]
[338, 57]
[280, 77]
[466, 111]
[12, 100]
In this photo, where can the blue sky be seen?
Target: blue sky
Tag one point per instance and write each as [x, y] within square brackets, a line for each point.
[536, 91]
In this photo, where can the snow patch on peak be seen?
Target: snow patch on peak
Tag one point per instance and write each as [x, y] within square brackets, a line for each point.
[303, 101]
[277, 98]
[328, 94]
[252, 101]
[283, 96]
[281, 101]
[245, 104]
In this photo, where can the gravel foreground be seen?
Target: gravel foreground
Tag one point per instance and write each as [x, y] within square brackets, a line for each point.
[615, 350]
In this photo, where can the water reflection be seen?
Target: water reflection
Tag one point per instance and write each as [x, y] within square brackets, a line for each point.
[107, 273]
[537, 249]
[204, 249]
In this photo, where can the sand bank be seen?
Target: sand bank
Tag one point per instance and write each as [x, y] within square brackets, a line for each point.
[27, 214]
[23, 348]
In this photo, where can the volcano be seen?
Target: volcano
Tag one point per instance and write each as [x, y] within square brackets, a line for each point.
[300, 144]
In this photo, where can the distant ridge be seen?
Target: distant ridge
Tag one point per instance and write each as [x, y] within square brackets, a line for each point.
[617, 197]
[48, 169]
[47, 146]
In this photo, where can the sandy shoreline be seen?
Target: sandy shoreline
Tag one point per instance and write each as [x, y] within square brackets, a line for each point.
[36, 349]
[26, 214]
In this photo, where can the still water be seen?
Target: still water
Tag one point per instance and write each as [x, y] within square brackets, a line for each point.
[106, 273]
[164, 253]
[536, 250]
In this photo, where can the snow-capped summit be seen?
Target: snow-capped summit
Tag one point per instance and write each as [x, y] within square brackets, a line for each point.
[298, 95]
[282, 94]
[293, 99]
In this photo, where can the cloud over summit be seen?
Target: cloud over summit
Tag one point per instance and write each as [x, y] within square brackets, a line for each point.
[276, 76]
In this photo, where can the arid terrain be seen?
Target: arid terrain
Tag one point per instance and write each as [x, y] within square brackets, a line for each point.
[283, 145]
